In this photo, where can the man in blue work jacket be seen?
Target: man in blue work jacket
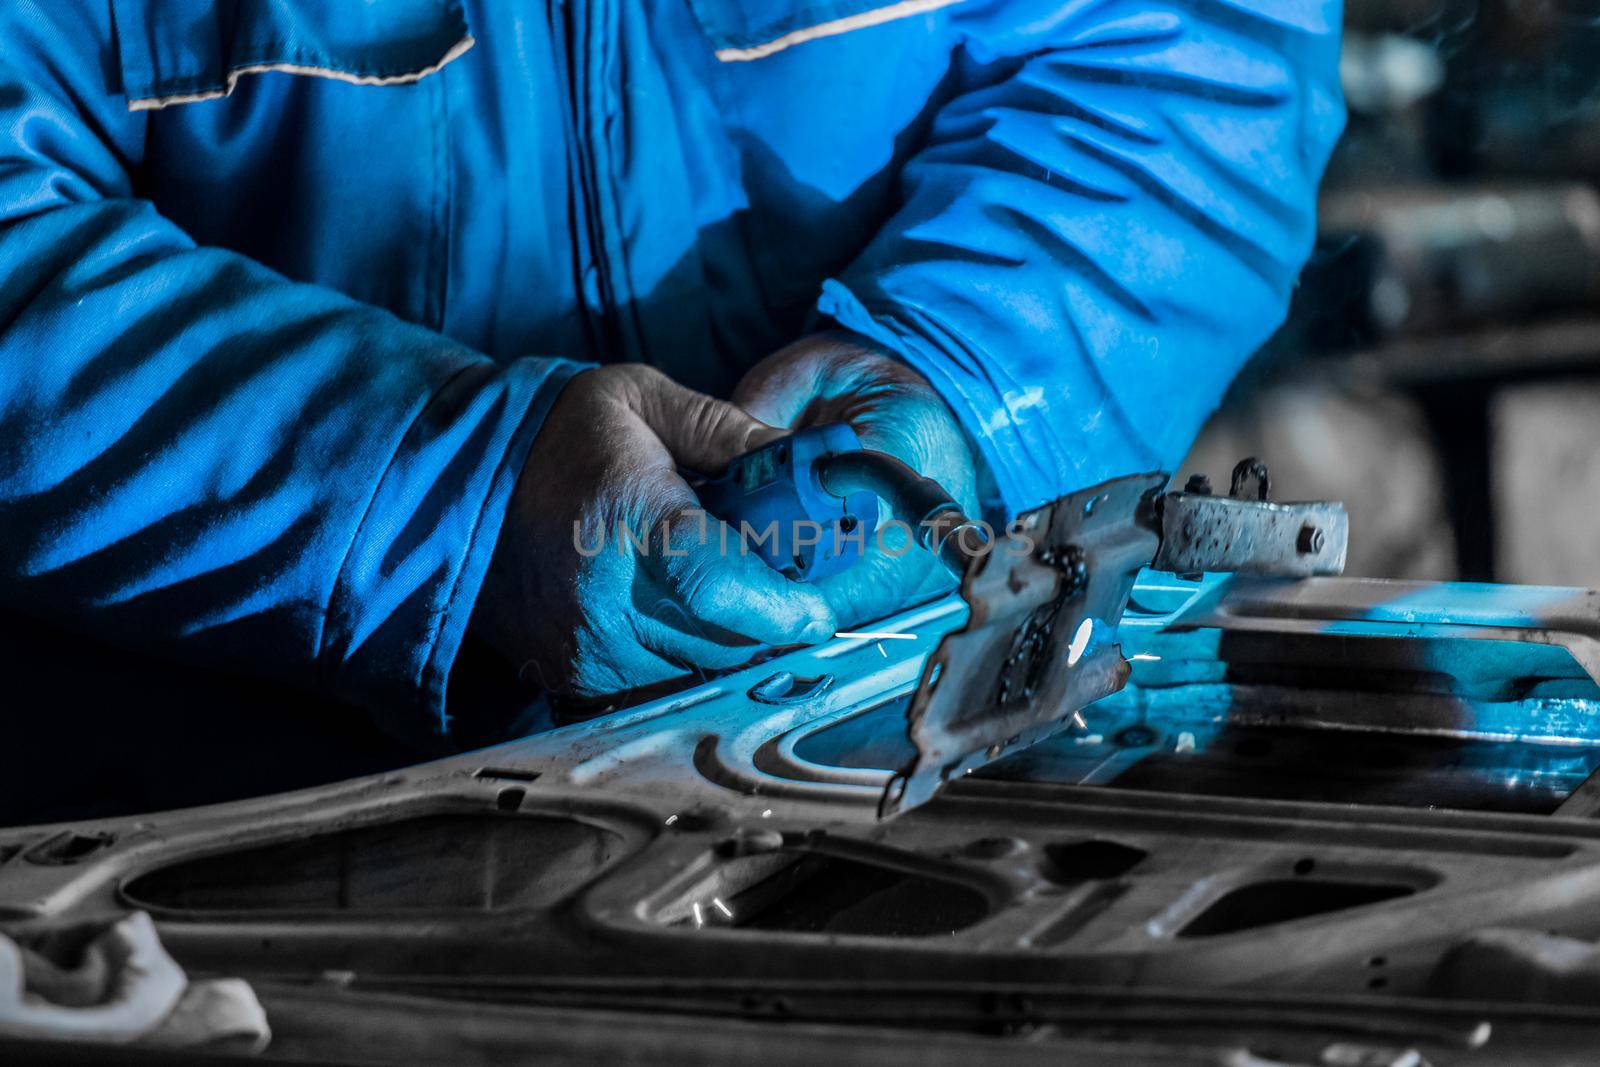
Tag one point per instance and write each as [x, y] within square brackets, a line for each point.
[300, 303]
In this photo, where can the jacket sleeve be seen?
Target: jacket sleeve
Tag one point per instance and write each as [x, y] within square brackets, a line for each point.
[202, 459]
[1102, 226]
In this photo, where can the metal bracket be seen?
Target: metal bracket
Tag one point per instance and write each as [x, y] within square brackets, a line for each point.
[1201, 532]
[1040, 640]
[1210, 533]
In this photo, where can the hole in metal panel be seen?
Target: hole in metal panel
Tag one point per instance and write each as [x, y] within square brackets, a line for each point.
[510, 774]
[785, 688]
[477, 863]
[1284, 900]
[68, 847]
[828, 895]
[874, 739]
[811, 893]
[1092, 860]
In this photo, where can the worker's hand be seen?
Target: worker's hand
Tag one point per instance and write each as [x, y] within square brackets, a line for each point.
[585, 612]
[839, 377]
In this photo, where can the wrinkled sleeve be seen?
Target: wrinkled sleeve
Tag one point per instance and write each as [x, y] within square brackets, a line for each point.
[1103, 225]
[202, 459]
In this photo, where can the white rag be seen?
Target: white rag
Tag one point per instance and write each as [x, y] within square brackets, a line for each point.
[122, 988]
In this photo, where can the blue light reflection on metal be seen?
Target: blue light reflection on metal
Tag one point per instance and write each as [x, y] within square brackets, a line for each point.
[1486, 674]
[1481, 664]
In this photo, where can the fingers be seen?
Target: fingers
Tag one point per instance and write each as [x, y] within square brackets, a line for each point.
[702, 565]
[699, 563]
[701, 432]
[674, 635]
[882, 584]
[618, 664]
[675, 591]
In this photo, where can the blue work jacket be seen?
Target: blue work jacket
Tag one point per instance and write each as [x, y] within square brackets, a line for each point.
[287, 286]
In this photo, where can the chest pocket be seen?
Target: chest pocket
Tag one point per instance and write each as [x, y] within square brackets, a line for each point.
[743, 30]
[354, 191]
[181, 51]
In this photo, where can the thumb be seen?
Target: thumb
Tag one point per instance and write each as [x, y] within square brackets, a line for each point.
[705, 568]
[701, 432]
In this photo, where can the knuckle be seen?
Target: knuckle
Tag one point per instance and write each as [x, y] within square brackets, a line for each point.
[640, 372]
[622, 382]
[718, 420]
[706, 414]
[640, 376]
[598, 394]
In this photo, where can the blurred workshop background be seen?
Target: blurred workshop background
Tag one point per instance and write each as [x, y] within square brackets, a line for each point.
[1440, 368]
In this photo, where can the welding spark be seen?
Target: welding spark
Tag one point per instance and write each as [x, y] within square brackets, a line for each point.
[872, 635]
[766, 813]
[1143, 657]
[720, 906]
[699, 916]
[671, 819]
[881, 652]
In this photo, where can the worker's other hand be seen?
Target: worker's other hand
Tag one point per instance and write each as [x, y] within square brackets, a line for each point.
[587, 622]
[838, 377]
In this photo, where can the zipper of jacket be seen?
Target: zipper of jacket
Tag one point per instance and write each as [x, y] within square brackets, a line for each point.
[593, 284]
